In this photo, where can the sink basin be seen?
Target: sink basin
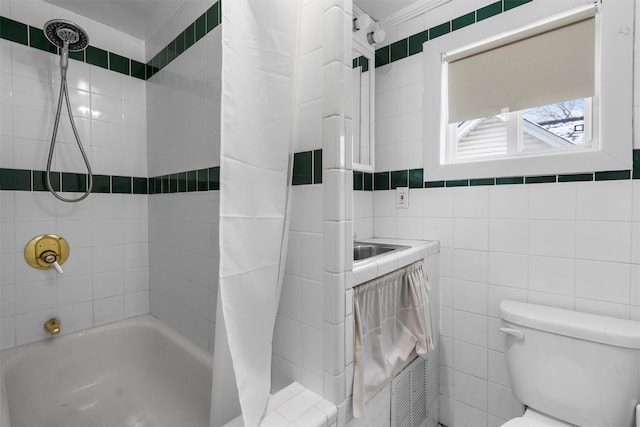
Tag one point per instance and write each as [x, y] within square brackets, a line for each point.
[364, 250]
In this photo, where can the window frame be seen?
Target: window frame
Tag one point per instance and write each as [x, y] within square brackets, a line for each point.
[612, 107]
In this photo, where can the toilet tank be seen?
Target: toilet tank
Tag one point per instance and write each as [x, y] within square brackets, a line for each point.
[578, 367]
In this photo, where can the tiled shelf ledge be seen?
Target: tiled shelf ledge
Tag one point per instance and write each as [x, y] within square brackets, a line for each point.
[413, 178]
[295, 406]
[370, 268]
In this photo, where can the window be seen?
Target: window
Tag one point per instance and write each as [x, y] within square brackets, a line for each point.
[541, 89]
[552, 128]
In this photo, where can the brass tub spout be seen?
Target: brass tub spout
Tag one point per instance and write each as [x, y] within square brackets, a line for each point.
[52, 326]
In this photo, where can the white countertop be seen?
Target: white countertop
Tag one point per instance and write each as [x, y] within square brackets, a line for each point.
[370, 268]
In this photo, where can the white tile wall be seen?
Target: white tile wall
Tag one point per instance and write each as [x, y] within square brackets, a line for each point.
[183, 122]
[522, 254]
[335, 60]
[98, 278]
[573, 245]
[299, 351]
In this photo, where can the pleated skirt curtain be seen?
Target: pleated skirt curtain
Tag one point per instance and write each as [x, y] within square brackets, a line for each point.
[392, 320]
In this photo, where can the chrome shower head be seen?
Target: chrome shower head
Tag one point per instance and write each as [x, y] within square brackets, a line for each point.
[59, 31]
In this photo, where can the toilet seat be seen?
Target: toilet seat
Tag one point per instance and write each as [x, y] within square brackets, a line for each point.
[532, 418]
[524, 422]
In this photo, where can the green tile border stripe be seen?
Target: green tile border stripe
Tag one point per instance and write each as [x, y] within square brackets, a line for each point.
[385, 180]
[196, 30]
[307, 164]
[34, 180]
[28, 35]
[413, 44]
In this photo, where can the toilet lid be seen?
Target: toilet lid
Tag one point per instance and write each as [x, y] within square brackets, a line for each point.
[524, 422]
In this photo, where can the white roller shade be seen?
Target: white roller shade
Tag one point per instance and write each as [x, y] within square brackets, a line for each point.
[517, 73]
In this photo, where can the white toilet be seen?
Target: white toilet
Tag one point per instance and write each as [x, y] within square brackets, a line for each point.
[571, 368]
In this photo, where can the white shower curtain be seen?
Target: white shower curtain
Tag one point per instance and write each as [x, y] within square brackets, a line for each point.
[259, 43]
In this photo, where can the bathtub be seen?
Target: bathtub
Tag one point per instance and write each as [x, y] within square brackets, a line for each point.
[133, 373]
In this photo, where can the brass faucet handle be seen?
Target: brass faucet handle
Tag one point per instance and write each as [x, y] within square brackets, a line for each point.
[52, 326]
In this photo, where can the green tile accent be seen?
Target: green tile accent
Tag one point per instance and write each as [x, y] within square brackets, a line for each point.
[39, 179]
[179, 41]
[439, 30]
[157, 185]
[77, 55]
[75, 182]
[203, 180]
[364, 63]
[213, 17]
[192, 181]
[463, 21]
[201, 26]
[15, 179]
[149, 71]
[361, 61]
[214, 178]
[382, 56]
[121, 184]
[511, 4]
[97, 57]
[182, 182]
[482, 181]
[416, 178]
[13, 30]
[542, 179]
[368, 181]
[166, 187]
[457, 183]
[510, 180]
[358, 181]
[190, 36]
[399, 49]
[138, 70]
[173, 183]
[164, 58]
[140, 185]
[38, 40]
[118, 63]
[636, 164]
[381, 181]
[171, 51]
[434, 184]
[101, 184]
[613, 175]
[575, 177]
[302, 168]
[416, 40]
[399, 179]
[317, 167]
[155, 65]
[489, 11]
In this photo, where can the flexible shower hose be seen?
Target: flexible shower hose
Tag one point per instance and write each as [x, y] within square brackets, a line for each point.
[64, 93]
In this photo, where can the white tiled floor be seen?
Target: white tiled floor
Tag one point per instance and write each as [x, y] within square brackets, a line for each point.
[296, 406]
